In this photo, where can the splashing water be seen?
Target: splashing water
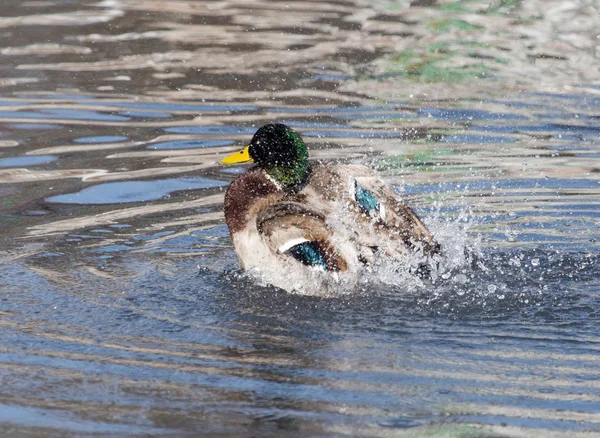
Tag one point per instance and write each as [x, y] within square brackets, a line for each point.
[417, 272]
[465, 280]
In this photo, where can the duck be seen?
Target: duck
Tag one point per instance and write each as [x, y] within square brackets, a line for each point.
[309, 227]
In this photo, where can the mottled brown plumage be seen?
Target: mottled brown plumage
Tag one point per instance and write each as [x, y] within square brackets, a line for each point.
[328, 219]
[246, 191]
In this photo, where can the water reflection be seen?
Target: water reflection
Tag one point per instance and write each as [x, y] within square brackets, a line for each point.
[100, 139]
[26, 161]
[133, 191]
[189, 144]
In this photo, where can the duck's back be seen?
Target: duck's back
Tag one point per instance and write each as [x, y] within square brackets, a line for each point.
[364, 207]
[338, 221]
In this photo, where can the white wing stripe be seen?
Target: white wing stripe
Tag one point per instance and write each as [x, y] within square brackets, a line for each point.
[291, 243]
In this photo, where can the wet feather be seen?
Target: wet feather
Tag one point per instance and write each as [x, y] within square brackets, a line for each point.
[332, 219]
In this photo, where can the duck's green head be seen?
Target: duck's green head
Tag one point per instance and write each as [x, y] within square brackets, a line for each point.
[280, 151]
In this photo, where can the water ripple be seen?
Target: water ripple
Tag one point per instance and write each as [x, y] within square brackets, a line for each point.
[123, 310]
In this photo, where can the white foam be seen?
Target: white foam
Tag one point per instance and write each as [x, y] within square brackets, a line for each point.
[458, 249]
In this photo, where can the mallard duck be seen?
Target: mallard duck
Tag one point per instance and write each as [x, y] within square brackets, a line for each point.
[294, 221]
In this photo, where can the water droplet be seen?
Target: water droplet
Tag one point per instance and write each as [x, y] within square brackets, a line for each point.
[460, 278]
[514, 261]
[535, 262]
[492, 288]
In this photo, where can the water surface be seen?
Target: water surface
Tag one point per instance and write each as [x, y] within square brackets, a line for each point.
[123, 311]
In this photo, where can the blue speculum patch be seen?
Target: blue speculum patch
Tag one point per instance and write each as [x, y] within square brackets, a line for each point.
[308, 253]
[365, 199]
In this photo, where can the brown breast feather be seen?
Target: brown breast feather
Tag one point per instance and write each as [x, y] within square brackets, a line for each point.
[248, 188]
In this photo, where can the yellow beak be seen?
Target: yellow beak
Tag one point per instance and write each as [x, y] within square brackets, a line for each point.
[242, 156]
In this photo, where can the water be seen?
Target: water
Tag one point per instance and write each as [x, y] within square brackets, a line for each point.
[123, 311]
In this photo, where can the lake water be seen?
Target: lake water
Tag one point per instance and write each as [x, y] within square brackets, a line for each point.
[122, 310]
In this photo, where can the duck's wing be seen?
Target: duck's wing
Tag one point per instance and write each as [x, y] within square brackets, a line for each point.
[375, 202]
[381, 203]
[298, 231]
